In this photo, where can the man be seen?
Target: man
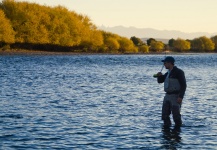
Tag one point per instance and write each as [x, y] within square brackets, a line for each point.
[174, 86]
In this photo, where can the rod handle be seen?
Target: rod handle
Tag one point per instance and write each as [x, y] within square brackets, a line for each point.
[155, 75]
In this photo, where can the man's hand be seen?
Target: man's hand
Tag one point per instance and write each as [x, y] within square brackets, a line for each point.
[179, 100]
[159, 74]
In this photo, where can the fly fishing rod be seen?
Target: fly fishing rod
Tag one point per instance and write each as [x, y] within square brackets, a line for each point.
[156, 75]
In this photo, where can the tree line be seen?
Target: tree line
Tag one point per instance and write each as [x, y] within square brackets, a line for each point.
[201, 44]
[32, 26]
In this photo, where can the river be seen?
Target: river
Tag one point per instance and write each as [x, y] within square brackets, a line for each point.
[103, 102]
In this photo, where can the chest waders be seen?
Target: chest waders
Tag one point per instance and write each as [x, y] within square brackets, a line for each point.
[171, 87]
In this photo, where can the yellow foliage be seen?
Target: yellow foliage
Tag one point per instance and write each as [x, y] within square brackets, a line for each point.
[6, 31]
[181, 44]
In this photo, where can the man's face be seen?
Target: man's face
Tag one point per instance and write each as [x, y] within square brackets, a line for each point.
[167, 65]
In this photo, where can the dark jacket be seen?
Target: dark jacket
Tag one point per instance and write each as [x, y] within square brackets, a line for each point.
[177, 74]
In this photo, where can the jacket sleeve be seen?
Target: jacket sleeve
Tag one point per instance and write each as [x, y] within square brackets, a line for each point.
[182, 82]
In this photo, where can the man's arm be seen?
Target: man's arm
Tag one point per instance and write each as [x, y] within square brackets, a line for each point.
[182, 82]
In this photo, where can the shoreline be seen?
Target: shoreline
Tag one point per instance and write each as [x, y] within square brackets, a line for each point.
[34, 52]
[40, 52]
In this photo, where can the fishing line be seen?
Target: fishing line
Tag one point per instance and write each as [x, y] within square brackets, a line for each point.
[155, 75]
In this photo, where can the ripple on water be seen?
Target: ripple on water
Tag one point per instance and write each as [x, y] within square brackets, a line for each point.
[103, 102]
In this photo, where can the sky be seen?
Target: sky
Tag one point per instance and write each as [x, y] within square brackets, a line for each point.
[181, 15]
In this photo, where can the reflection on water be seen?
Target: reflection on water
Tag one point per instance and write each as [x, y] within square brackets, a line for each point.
[103, 102]
[171, 138]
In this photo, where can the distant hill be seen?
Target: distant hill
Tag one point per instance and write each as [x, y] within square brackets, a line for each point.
[153, 33]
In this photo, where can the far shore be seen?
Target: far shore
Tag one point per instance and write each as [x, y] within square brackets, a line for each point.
[40, 52]
[35, 52]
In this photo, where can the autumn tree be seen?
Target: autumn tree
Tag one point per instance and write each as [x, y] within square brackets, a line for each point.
[25, 21]
[150, 40]
[208, 43]
[112, 44]
[171, 42]
[144, 48]
[214, 40]
[63, 27]
[137, 41]
[127, 46]
[94, 42]
[156, 45]
[6, 31]
[197, 44]
[181, 44]
[202, 44]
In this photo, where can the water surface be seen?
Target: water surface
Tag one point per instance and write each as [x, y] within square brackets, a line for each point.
[103, 102]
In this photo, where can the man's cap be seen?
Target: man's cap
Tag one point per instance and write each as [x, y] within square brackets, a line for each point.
[169, 59]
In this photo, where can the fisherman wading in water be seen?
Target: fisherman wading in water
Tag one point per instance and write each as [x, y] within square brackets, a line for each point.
[174, 86]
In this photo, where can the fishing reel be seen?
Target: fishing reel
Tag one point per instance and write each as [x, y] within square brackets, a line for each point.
[155, 75]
